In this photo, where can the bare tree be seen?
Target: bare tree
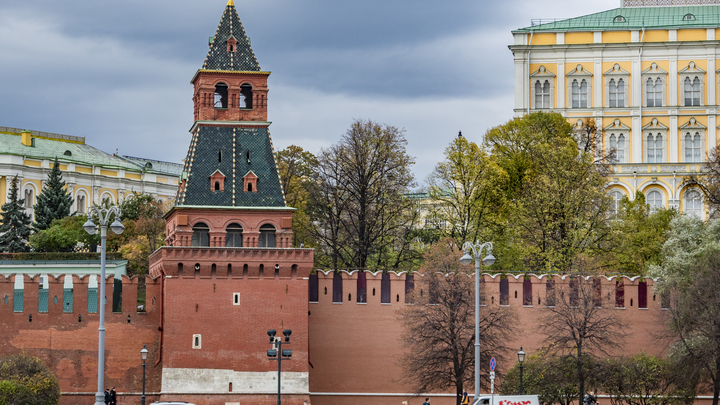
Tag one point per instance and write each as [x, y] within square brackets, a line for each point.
[708, 180]
[439, 326]
[582, 322]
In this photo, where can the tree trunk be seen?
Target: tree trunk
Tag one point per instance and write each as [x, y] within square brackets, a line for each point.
[716, 382]
[581, 377]
[459, 393]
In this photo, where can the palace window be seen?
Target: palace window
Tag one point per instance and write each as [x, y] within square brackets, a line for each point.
[616, 199]
[542, 87]
[579, 85]
[692, 79]
[655, 200]
[80, 204]
[28, 198]
[693, 204]
[617, 93]
[654, 143]
[654, 80]
[693, 147]
[617, 143]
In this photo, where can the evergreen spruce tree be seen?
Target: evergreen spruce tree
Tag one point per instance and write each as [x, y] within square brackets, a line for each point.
[15, 229]
[54, 202]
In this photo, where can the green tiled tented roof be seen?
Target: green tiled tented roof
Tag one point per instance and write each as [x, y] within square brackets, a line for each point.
[636, 18]
[234, 152]
[243, 58]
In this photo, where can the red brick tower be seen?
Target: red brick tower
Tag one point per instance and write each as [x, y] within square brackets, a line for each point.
[229, 271]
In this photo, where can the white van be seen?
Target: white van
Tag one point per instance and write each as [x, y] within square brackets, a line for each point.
[507, 400]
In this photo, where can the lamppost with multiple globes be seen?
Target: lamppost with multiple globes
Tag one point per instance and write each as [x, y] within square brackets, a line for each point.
[103, 215]
[277, 353]
[143, 356]
[466, 259]
[521, 359]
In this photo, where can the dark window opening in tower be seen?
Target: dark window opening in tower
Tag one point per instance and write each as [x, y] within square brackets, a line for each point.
[221, 95]
[201, 234]
[250, 187]
[246, 96]
[248, 156]
[234, 235]
[219, 156]
[267, 236]
[217, 186]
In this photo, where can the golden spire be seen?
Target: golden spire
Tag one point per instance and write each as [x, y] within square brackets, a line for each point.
[230, 3]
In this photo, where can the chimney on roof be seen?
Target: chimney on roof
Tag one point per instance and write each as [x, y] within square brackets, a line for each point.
[27, 139]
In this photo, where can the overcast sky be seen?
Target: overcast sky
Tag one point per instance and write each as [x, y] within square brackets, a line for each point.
[118, 72]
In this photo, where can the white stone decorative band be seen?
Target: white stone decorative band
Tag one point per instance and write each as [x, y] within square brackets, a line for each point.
[215, 381]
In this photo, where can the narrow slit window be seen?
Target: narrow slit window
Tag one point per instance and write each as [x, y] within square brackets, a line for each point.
[385, 288]
[409, 288]
[337, 288]
[504, 292]
[313, 285]
[362, 288]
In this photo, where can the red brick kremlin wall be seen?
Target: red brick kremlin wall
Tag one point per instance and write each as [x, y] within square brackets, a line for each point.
[69, 347]
[354, 348]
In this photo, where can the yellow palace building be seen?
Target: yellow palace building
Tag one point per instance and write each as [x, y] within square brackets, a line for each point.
[647, 73]
[90, 174]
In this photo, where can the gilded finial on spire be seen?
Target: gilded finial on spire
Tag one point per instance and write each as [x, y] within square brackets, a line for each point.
[230, 3]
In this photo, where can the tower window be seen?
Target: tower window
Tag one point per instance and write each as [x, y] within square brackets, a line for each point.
[267, 236]
[201, 234]
[246, 96]
[250, 187]
[217, 186]
[221, 95]
[219, 156]
[234, 236]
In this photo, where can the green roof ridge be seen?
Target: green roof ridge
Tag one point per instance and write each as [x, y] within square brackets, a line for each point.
[636, 18]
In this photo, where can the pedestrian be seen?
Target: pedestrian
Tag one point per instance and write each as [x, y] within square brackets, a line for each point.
[107, 396]
[427, 401]
[590, 399]
[465, 399]
[113, 396]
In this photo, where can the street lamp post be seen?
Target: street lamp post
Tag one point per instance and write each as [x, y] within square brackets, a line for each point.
[277, 352]
[521, 359]
[466, 259]
[103, 215]
[143, 356]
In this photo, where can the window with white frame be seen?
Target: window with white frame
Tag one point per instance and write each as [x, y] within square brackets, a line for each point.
[654, 80]
[617, 141]
[692, 139]
[616, 196]
[542, 89]
[616, 87]
[693, 203]
[654, 137]
[654, 146]
[579, 84]
[29, 200]
[655, 200]
[80, 203]
[692, 79]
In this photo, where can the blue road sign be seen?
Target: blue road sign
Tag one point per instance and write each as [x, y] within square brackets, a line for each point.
[492, 364]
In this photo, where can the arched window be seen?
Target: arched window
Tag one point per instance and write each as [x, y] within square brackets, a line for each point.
[246, 96]
[221, 95]
[579, 94]
[612, 145]
[267, 236]
[654, 92]
[234, 235]
[616, 198]
[693, 204]
[654, 146]
[655, 200]
[29, 198]
[692, 91]
[617, 93]
[217, 186]
[80, 203]
[201, 234]
[542, 94]
[693, 147]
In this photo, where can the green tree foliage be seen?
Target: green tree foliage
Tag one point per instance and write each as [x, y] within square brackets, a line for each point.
[15, 229]
[64, 235]
[439, 327]
[25, 380]
[296, 173]
[553, 378]
[358, 205]
[637, 237]
[468, 189]
[644, 380]
[689, 276]
[144, 231]
[555, 192]
[54, 202]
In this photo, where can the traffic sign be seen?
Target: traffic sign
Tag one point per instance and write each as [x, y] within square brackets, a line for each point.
[492, 364]
[492, 375]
